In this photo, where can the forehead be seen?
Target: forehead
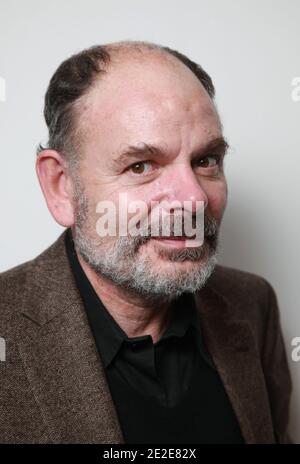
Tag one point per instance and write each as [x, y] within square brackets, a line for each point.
[146, 101]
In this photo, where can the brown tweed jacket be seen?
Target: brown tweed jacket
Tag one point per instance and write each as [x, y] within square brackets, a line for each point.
[52, 382]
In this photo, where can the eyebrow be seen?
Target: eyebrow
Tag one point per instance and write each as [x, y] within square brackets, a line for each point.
[144, 150]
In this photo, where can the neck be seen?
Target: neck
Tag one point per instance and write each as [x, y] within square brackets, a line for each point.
[135, 315]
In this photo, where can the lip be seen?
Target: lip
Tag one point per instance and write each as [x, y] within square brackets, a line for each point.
[178, 242]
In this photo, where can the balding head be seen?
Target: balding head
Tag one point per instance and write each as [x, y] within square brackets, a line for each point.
[77, 75]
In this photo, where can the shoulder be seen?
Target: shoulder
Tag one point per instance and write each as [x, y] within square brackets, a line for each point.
[12, 287]
[250, 296]
[12, 280]
[235, 283]
[21, 279]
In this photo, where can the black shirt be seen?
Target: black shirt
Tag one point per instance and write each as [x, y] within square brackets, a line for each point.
[155, 385]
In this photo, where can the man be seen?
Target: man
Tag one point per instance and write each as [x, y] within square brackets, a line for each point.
[137, 338]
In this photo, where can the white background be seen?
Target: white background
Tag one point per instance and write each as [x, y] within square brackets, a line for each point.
[252, 51]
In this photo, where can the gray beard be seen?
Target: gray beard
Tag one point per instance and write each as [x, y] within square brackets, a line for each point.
[136, 273]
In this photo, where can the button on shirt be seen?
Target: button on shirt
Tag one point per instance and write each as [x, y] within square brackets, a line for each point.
[157, 376]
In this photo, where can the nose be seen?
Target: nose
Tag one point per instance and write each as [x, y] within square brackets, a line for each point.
[184, 186]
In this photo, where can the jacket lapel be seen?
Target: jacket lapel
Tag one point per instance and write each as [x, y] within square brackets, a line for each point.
[67, 376]
[60, 356]
[232, 347]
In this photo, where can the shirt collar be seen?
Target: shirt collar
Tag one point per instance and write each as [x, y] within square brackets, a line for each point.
[108, 335]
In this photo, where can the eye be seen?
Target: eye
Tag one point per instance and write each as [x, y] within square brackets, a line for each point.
[141, 167]
[209, 161]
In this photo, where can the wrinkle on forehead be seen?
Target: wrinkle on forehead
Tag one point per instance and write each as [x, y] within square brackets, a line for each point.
[139, 94]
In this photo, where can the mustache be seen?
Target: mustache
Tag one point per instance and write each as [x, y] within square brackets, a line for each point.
[211, 232]
[211, 228]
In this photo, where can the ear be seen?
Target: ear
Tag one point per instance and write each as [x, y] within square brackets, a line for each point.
[56, 185]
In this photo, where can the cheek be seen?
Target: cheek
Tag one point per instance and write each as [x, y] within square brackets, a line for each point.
[217, 199]
[126, 205]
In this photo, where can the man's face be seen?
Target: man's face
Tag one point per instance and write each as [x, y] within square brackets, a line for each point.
[160, 106]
